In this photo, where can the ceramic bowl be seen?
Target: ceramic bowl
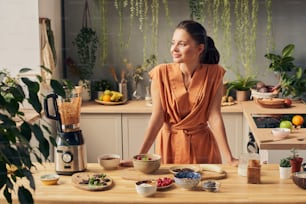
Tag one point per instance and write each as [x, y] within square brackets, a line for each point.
[146, 188]
[49, 179]
[109, 161]
[187, 179]
[211, 186]
[146, 163]
[280, 133]
[299, 178]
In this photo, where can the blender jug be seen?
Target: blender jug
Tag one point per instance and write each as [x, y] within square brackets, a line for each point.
[70, 152]
[66, 109]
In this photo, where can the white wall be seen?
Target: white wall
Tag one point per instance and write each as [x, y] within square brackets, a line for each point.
[52, 10]
[19, 44]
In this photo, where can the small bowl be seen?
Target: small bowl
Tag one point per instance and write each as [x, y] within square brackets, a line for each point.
[109, 161]
[299, 178]
[187, 179]
[280, 133]
[146, 163]
[146, 188]
[49, 179]
[211, 186]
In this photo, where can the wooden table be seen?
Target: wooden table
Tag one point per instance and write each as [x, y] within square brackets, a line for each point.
[234, 189]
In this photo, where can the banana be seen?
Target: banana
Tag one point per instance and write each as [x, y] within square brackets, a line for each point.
[211, 167]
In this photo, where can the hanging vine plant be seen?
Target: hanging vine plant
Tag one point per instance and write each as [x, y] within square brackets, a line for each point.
[86, 43]
[245, 35]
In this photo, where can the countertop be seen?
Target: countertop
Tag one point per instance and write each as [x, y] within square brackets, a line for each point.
[263, 136]
[234, 189]
[137, 106]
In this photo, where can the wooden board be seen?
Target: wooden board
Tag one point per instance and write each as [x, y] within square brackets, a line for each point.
[77, 179]
[132, 174]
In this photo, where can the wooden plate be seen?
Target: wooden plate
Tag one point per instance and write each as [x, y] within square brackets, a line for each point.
[111, 103]
[271, 103]
[78, 178]
[175, 169]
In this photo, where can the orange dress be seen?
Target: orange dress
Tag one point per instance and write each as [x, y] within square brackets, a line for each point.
[185, 136]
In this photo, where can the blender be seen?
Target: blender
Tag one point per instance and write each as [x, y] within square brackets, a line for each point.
[70, 152]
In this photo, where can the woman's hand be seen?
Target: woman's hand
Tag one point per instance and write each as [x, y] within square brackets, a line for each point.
[126, 163]
[233, 162]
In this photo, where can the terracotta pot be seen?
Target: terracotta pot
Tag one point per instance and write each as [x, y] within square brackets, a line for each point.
[296, 164]
[243, 95]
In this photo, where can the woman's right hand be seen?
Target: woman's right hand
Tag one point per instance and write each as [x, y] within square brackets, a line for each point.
[126, 163]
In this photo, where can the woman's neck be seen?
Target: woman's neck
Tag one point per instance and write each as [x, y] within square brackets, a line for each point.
[189, 69]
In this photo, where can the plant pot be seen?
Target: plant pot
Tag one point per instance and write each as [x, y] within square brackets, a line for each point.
[86, 92]
[296, 164]
[243, 95]
[284, 172]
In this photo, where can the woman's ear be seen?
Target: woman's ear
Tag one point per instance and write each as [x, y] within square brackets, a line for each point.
[201, 48]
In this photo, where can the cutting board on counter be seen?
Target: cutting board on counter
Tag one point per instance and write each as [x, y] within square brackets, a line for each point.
[132, 174]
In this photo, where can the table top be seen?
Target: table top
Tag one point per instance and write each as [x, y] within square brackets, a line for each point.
[234, 189]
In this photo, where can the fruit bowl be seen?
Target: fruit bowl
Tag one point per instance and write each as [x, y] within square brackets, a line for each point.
[187, 179]
[146, 163]
[280, 133]
[299, 178]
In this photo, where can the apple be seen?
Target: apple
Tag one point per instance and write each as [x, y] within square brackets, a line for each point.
[287, 102]
[285, 124]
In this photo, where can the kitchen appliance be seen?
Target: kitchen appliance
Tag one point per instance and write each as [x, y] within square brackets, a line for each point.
[70, 152]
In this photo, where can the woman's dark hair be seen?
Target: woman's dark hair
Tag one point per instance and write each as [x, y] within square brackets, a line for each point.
[210, 55]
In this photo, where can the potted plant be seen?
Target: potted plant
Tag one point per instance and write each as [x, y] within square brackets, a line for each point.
[292, 78]
[295, 161]
[242, 86]
[284, 168]
[17, 133]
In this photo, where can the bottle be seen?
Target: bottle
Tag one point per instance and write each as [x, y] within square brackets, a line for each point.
[123, 86]
[148, 98]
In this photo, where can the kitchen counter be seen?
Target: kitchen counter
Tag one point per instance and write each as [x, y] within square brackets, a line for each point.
[234, 189]
[263, 136]
[136, 106]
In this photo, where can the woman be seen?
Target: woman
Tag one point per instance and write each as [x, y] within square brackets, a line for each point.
[186, 119]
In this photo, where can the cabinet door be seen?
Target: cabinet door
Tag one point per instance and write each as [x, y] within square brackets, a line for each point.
[133, 129]
[102, 134]
[233, 123]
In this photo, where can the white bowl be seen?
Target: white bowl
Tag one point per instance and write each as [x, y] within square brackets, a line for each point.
[280, 133]
[49, 179]
[146, 188]
[187, 179]
[109, 161]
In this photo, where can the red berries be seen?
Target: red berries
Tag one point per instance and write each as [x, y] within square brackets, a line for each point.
[161, 182]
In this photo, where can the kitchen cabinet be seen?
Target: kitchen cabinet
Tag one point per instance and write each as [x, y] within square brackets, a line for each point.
[102, 134]
[133, 129]
[235, 131]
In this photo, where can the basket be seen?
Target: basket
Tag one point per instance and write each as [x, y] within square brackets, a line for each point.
[256, 95]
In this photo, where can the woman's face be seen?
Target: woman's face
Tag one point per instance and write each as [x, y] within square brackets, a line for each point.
[184, 49]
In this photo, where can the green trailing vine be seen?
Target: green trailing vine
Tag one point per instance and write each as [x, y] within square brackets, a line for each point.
[269, 36]
[226, 27]
[154, 25]
[245, 36]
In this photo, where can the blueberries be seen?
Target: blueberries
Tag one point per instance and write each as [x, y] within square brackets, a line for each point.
[188, 174]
